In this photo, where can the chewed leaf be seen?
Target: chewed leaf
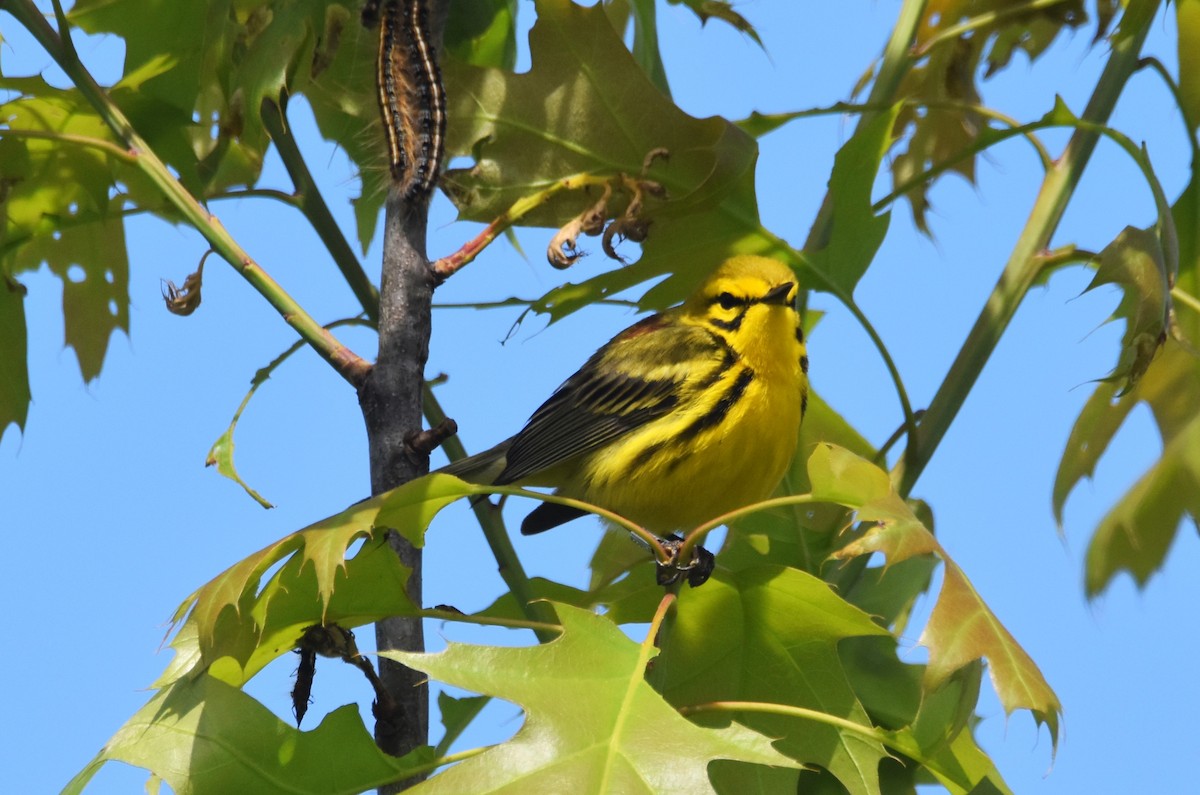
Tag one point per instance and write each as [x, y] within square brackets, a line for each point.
[244, 622]
[592, 723]
[1135, 262]
[221, 455]
[962, 628]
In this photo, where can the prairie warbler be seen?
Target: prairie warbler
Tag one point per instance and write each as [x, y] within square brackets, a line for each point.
[681, 417]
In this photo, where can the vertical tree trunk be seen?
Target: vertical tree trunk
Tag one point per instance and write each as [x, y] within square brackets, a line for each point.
[391, 405]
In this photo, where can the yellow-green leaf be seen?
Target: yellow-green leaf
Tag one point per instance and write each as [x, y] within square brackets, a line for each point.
[14, 364]
[1187, 18]
[204, 737]
[592, 723]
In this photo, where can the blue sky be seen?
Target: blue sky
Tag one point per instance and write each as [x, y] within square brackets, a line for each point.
[113, 518]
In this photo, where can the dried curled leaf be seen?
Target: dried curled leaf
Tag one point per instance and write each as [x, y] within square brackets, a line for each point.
[631, 224]
[185, 300]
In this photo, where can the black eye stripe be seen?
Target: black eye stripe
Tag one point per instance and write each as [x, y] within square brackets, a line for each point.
[728, 300]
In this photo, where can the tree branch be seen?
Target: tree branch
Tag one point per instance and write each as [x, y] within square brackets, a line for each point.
[391, 401]
[312, 204]
[348, 364]
[1024, 263]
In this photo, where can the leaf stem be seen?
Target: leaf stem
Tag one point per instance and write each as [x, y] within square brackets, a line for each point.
[447, 266]
[897, 60]
[312, 204]
[1023, 264]
[695, 535]
[549, 629]
[347, 364]
[496, 534]
[108, 147]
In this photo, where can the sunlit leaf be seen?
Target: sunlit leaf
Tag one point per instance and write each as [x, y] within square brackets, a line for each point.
[586, 106]
[962, 628]
[591, 721]
[204, 737]
[245, 622]
[58, 212]
[1187, 18]
[770, 634]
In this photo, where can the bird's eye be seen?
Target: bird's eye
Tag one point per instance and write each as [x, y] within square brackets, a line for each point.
[727, 300]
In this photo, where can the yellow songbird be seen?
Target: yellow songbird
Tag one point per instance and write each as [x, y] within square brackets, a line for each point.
[680, 418]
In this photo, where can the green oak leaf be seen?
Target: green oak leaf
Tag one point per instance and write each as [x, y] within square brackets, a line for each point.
[592, 723]
[243, 623]
[204, 737]
[855, 232]
[1137, 532]
[585, 106]
[770, 634]
[482, 32]
[14, 355]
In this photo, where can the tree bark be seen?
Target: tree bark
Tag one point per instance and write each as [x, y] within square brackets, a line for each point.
[391, 406]
[390, 400]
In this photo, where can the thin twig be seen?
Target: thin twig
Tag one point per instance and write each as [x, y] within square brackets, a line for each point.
[347, 363]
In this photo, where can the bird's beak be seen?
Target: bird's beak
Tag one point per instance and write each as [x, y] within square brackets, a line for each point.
[781, 295]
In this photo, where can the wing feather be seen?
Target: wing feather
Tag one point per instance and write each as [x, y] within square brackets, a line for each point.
[634, 379]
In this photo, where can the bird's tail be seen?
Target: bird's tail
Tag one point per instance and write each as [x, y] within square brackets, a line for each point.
[481, 468]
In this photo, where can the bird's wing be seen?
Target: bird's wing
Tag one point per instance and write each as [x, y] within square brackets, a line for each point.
[631, 381]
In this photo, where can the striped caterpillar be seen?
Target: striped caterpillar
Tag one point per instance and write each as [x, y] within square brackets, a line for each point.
[412, 101]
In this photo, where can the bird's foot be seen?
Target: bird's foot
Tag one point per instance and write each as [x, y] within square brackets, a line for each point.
[697, 570]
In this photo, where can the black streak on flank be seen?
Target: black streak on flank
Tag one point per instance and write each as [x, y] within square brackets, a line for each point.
[799, 335]
[723, 406]
[646, 455]
[804, 363]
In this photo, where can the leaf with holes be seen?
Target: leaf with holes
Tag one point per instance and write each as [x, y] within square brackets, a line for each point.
[242, 622]
[586, 106]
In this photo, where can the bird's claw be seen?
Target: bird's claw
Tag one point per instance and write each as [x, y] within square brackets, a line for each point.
[698, 569]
